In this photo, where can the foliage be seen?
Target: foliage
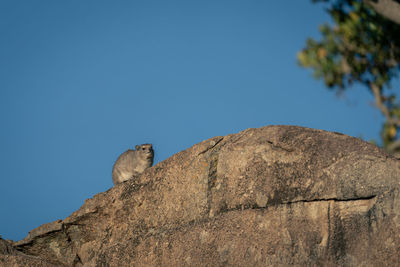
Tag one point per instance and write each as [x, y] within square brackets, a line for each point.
[364, 47]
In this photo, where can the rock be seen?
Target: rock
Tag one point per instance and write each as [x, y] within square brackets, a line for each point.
[10, 257]
[6, 248]
[277, 195]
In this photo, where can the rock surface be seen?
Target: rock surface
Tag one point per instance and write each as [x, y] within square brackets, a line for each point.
[10, 257]
[272, 196]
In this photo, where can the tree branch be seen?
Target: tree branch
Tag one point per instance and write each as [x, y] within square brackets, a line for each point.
[387, 8]
[393, 146]
[379, 103]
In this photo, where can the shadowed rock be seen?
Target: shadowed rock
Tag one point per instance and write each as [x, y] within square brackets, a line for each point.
[10, 257]
[277, 195]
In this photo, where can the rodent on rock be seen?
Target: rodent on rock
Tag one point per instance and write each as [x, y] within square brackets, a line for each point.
[132, 163]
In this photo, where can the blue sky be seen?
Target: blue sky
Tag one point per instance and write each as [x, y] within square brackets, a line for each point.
[82, 81]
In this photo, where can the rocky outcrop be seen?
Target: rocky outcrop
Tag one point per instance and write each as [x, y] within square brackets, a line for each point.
[277, 195]
[10, 257]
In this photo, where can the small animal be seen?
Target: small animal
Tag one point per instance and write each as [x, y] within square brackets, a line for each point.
[132, 163]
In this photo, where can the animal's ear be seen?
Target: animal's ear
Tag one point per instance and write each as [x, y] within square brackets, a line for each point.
[137, 147]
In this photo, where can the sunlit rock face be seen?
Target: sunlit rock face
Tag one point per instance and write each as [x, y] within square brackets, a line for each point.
[277, 195]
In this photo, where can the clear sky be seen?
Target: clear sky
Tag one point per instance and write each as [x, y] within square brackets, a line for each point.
[83, 80]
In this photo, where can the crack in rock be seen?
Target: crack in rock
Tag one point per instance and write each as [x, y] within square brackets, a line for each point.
[212, 178]
[279, 147]
[213, 144]
[257, 207]
[330, 199]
